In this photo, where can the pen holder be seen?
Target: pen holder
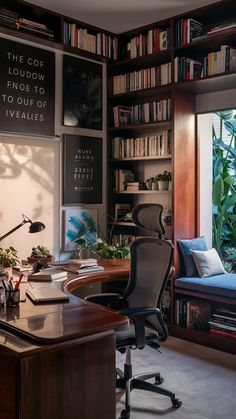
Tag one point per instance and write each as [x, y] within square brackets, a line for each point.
[12, 297]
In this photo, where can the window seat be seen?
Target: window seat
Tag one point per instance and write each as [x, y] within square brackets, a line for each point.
[223, 285]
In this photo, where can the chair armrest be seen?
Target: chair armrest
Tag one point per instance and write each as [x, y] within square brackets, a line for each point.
[139, 315]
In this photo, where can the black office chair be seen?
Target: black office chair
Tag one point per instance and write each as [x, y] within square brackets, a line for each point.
[151, 259]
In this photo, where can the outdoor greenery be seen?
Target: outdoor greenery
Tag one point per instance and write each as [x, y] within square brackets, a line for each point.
[224, 190]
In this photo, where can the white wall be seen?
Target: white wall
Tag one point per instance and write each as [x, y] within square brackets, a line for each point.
[31, 178]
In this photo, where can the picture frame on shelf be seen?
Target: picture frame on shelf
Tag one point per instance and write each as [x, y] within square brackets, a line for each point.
[82, 93]
[79, 224]
[82, 170]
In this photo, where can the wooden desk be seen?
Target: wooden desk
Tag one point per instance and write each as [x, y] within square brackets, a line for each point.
[57, 361]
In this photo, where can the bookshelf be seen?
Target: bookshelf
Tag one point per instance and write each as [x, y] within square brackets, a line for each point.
[149, 50]
[127, 75]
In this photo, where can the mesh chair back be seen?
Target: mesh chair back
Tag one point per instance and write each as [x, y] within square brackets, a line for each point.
[148, 216]
[151, 260]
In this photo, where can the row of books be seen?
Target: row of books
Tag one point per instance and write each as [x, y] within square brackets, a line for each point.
[144, 113]
[10, 19]
[186, 30]
[192, 313]
[143, 79]
[220, 61]
[153, 41]
[216, 62]
[223, 322]
[187, 69]
[98, 43]
[155, 145]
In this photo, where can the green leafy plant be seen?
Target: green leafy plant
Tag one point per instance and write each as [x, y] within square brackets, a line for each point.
[223, 189]
[165, 176]
[8, 257]
[106, 249]
[40, 252]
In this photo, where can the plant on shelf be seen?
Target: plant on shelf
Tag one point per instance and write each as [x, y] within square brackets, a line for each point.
[224, 185]
[163, 180]
[8, 257]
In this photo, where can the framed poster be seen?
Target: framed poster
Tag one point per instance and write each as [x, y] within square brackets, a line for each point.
[82, 93]
[27, 89]
[82, 170]
[80, 224]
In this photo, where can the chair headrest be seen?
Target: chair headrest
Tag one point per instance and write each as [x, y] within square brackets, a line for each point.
[149, 216]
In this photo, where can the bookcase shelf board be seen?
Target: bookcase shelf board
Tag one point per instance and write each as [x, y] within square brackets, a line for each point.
[167, 157]
[142, 192]
[139, 127]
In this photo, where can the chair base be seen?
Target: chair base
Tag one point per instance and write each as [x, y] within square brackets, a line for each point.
[128, 382]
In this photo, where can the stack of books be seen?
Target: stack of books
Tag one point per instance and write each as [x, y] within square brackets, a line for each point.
[47, 275]
[223, 323]
[34, 27]
[223, 28]
[8, 18]
[83, 266]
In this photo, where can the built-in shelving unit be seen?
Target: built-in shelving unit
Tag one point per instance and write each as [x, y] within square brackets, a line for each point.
[161, 45]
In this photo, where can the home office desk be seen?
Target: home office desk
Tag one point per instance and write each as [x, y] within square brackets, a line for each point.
[57, 361]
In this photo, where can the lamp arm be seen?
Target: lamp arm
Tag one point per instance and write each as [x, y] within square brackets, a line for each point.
[14, 229]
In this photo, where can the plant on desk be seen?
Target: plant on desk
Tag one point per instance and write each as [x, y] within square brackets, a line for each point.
[40, 253]
[107, 250]
[8, 257]
[84, 234]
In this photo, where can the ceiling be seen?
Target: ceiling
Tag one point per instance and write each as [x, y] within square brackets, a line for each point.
[120, 15]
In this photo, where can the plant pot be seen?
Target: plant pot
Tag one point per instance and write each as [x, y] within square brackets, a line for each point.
[170, 186]
[85, 253]
[148, 184]
[163, 185]
[155, 186]
[44, 260]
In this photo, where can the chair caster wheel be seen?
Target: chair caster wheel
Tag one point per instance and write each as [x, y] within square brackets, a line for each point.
[176, 403]
[159, 380]
[124, 415]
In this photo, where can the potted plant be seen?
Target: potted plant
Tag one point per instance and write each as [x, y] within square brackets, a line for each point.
[40, 254]
[106, 249]
[163, 180]
[8, 257]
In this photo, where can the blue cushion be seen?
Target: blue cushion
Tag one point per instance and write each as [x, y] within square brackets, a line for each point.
[223, 285]
[186, 246]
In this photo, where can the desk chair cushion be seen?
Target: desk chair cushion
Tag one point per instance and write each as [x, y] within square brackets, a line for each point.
[128, 338]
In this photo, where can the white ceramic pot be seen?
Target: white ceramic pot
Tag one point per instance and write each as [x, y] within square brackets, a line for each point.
[163, 185]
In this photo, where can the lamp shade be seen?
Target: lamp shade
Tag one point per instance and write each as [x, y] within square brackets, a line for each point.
[36, 226]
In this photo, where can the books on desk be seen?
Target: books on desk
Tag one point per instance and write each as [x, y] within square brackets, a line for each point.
[48, 275]
[46, 294]
[90, 269]
[83, 263]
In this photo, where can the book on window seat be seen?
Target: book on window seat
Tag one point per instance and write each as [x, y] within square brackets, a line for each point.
[46, 294]
[48, 274]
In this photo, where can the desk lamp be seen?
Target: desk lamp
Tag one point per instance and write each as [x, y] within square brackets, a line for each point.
[34, 227]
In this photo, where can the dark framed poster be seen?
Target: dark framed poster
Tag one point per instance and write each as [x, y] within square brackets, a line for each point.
[27, 89]
[82, 93]
[82, 170]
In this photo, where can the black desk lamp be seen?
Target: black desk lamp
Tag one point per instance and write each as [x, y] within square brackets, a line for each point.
[33, 228]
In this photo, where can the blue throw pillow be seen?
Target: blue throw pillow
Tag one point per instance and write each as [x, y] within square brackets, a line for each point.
[185, 247]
